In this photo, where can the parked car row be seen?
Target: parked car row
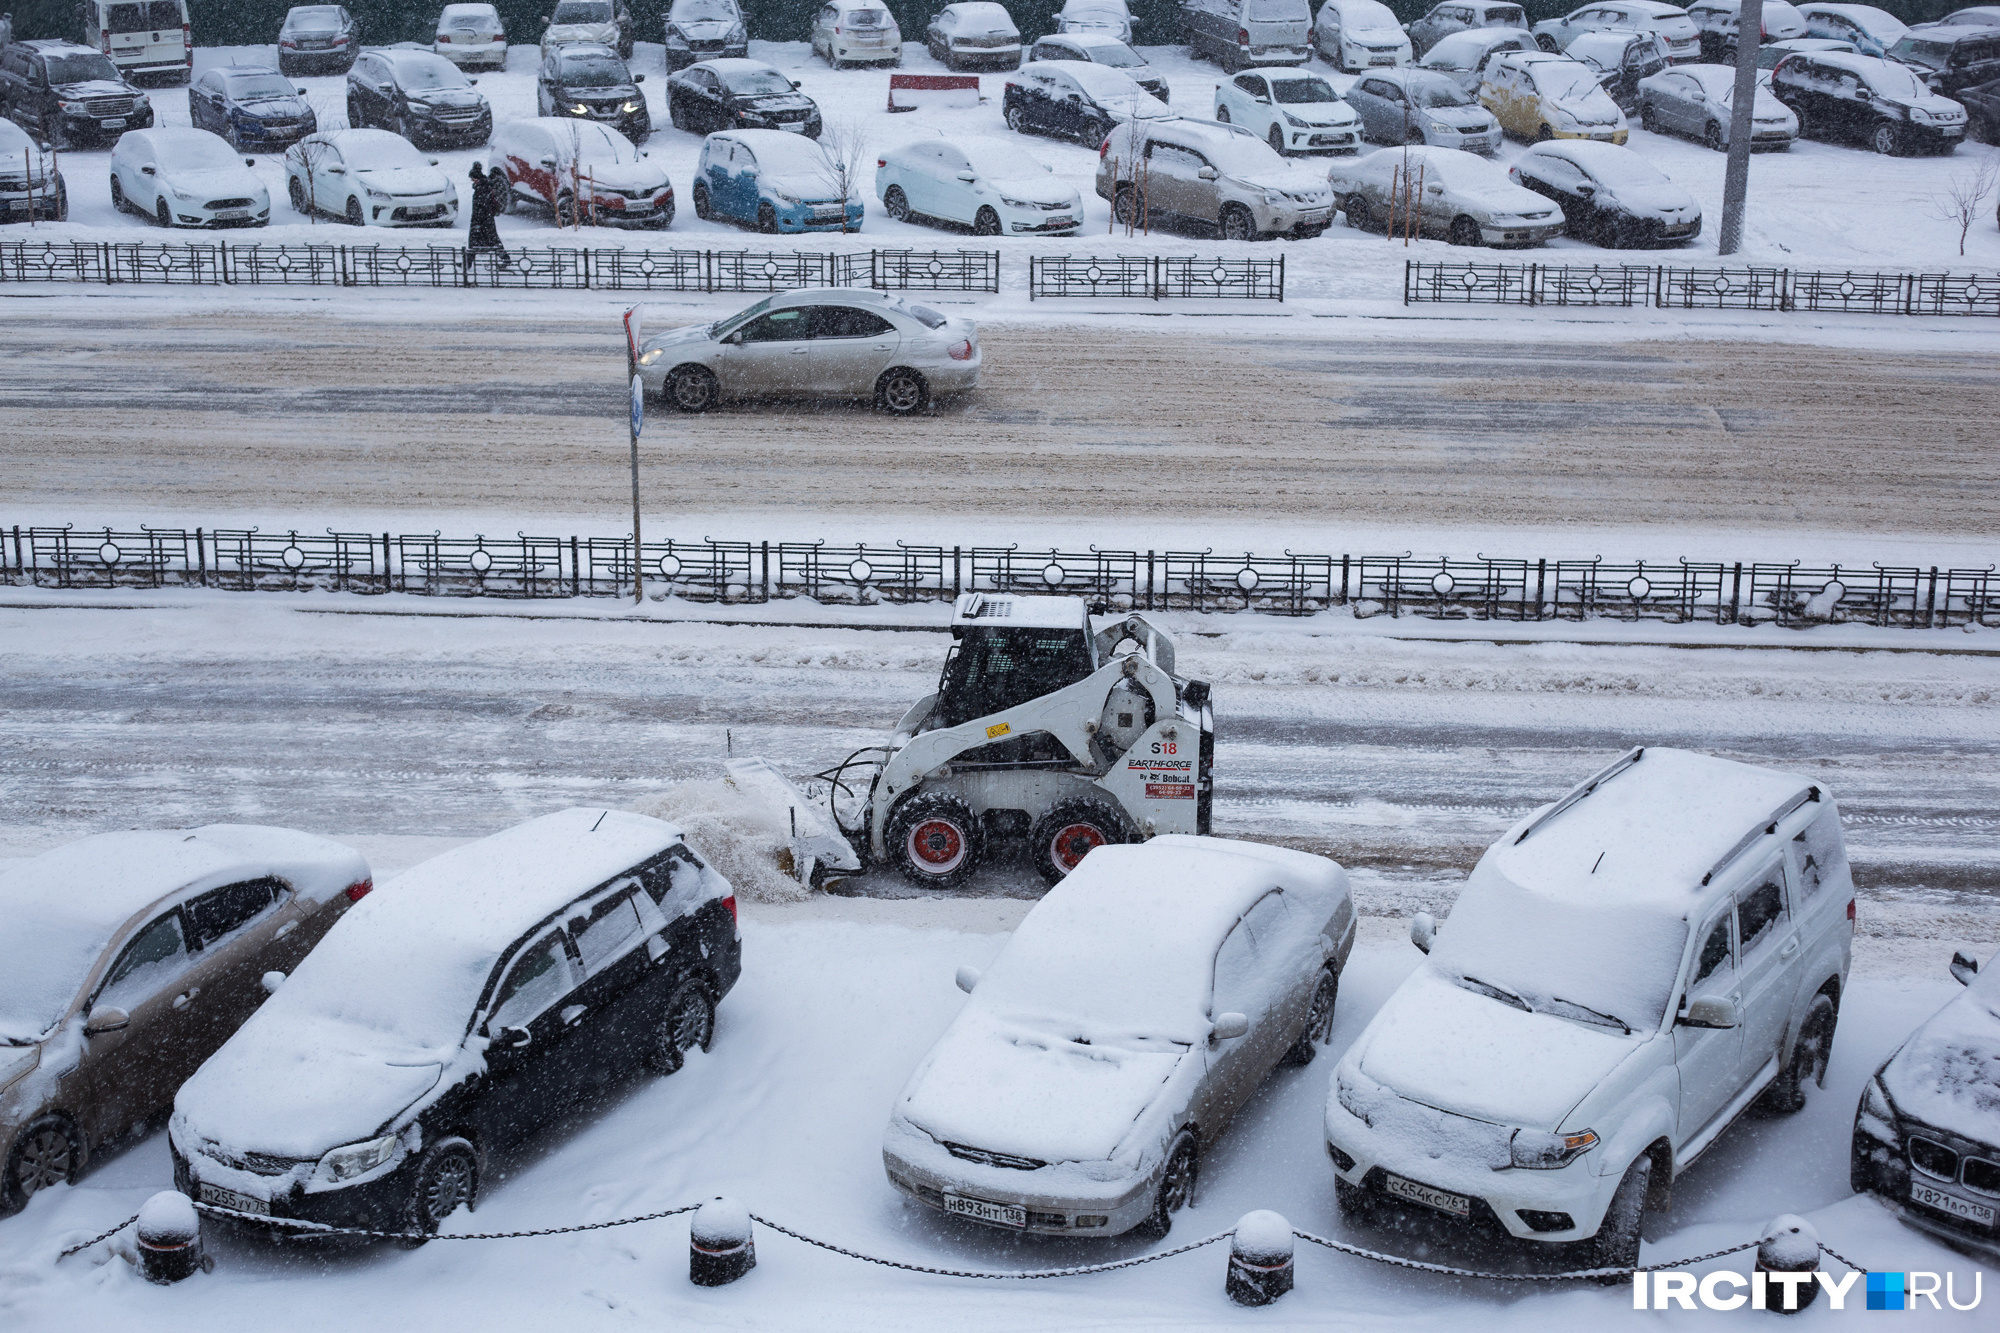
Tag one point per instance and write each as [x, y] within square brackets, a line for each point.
[1624, 975]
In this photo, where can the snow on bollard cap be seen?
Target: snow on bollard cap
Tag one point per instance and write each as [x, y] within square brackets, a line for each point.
[1790, 1247]
[169, 1237]
[720, 1248]
[1260, 1258]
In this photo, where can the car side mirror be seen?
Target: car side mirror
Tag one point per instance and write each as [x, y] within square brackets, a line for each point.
[1207, 173]
[148, 171]
[270, 981]
[1076, 97]
[545, 23]
[333, 171]
[301, 90]
[967, 978]
[638, 78]
[1586, 191]
[1710, 1011]
[472, 81]
[433, 161]
[1434, 188]
[106, 1018]
[514, 1038]
[796, 85]
[249, 161]
[1228, 1027]
[1423, 929]
[1964, 969]
[968, 177]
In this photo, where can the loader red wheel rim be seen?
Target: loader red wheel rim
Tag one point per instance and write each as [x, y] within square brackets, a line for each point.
[1072, 843]
[937, 846]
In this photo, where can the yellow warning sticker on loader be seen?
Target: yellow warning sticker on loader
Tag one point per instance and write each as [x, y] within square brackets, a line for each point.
[998, 729]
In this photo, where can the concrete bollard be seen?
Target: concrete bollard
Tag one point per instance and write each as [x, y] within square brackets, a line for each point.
[1792, 1248]
[1260, 1259]
[169, 1238]
[720, 1248]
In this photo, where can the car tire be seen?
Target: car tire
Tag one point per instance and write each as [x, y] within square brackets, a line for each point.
[1616, 1244]
[1356, 1204]
[1176, 1188]
[1068, 831]
[1464, 231]
[1543, 134]
[1649, 120]
[1237, 223]
[62, 203]
[986, 223]
[1017, 120]
[118, 201]
[499, 190]
[1810, 1050]
[1319, 1020]
[1355, 206]
[1276, 139]
[355, 217]
[354, 120]
[897, 204]
[48, 1151]
[447, 1179]
[767, 219]
[1222, 115]
[1886, 141]
[1711, 135]
[565, 210]
[902, 391]
[161, 213]
[935, 840]
[403, 128]
[692, 389]
[1608, 233]
[1093, 132]
[687, 1023]
[1546, 42]
[700, 193]
[297, 191]
[1125, 206]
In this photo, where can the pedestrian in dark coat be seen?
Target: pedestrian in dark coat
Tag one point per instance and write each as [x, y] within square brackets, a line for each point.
[484, 233]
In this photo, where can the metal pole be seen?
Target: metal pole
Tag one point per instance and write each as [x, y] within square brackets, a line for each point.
[632, 336]
[1743, 102]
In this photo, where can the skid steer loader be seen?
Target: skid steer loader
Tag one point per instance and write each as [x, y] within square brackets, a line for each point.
[1041, 726]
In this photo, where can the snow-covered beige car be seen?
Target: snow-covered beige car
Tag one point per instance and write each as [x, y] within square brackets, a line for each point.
[1464, 16]
[1463, 56]
[131, 957]
[1134, 1011]
[1461, 197]
[1927, 1131]
[817, 342]
[1624, 973]
[1539, 96]
[1212, 178]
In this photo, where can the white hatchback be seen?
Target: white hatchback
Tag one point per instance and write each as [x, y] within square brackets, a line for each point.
[1624, 973]
[1292, 110]
[186, 178]
[369, 178]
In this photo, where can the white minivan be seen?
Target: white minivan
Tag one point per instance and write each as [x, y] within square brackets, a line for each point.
[144, 38]
[1624, 973]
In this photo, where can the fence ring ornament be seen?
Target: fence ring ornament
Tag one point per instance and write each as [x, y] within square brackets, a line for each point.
[1248, 578]
[1974, 292]
[403, 263]
[1721, 284]
[109, 553]
[1054, 574]
[283, 261]
[1639, 586]
[292, 556]
[1094, 273]
[48, 258]
[1220, 274]
[1442, 583]
[1596, 283]
[936, 266]
[481, 560]
[1847, 288]
[646, 266]
[1468, 279]
[860, 570]
[770, 268]
[165, 263]
[670, 566]
[1834, 591]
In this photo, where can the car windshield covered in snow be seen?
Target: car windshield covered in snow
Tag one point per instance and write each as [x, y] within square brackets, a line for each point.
[1562, 79]
[314, 18]
[1243, 155]
[705, 11]
[1624, 168]
[1892, 80]
[1361, 16]
[259, 87]
[795, 155]
[1296, 91]
[383, 152]
[602, 144]
[475, 18]
[1437, 93]
[1003, 161]
[193, 150]
[582, 11]
[591, 69]
[421, 74]
[80, 67]
[923, 314]
[38, 981]
[757, 82]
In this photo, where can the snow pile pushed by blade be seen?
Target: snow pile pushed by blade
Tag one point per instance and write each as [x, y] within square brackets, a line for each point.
[742, 835]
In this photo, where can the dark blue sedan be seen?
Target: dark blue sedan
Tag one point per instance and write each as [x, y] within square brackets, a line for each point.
[252, 107]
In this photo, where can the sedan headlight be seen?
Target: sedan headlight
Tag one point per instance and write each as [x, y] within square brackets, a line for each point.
[1294, 121]
[738, 34]
[374, 193]
[782, 197]
[651, 355]
[578, 109]
[1015, 203]
[630, 107]
[1351, 1100]
[140, 102]
[178, 193]
[1533, 1150]
[358, 1159]
[1875, 1103]
[1439, 127]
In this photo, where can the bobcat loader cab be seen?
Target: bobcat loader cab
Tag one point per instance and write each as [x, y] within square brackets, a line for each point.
[1042, 725]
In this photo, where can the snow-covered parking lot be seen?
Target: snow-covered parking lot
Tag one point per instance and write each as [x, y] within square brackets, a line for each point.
[1819, 205]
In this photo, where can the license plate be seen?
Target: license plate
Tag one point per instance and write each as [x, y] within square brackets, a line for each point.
[116, 124]
[797, 127]
[429, 212]
[1005, 1214]
[231, 214]
[1931, 1197]
[1062, 222]
[230, 1199]
[1680, 229]
[1442, 1200]
[827, 211]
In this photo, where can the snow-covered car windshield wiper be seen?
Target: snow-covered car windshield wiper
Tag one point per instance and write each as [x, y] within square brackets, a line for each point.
[1597, 1016]
[1494, 992]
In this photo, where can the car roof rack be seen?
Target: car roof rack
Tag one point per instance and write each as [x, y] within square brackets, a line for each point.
[1763, 829]
[1611, 771]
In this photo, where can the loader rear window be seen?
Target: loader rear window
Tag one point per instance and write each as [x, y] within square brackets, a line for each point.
[995, 669]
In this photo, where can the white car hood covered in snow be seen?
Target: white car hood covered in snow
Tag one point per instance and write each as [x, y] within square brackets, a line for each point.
[1021, 1089]
[240, 182]
[1948, 1074]
[1037, 190]
[1437, 1043]
[403, 181]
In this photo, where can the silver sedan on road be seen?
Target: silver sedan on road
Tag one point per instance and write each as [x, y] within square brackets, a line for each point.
[829, 342]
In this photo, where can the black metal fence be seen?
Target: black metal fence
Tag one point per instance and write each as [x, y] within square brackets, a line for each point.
[1291, 584]
[1702, 288]
[555, 267]
[1156, 277]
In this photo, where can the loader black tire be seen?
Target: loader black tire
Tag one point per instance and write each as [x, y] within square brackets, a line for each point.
[1068, 830]
[935, 840]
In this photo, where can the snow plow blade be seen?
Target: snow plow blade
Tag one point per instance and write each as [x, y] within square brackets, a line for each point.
[817, 842]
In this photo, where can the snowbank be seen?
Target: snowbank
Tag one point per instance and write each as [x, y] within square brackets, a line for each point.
[742, 837]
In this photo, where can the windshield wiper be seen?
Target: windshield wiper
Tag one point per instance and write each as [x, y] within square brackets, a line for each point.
[1494, 992]
[1595, 1013]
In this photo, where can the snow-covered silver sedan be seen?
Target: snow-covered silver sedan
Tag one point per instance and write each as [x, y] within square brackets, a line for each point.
[1463, 198]
[1135, 1010]
[818, 342]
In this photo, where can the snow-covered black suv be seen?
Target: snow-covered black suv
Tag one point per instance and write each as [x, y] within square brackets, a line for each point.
[1623, 974]
[481, 996]
[64, 93]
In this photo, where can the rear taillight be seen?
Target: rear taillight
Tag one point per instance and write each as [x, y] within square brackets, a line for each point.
[960, 350]
[730, 903]
[1104, 147]
[359, 889]
[287, 42]
[445, 38]
[1850, 909]
[104, 36]
[1243, 37]
[881, 162]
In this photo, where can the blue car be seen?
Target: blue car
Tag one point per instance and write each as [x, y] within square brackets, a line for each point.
[252, 107]
[775, 180]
